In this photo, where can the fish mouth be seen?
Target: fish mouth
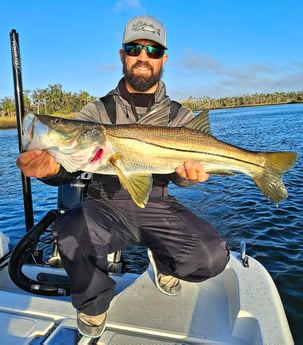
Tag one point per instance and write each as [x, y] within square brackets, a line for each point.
[28, 130]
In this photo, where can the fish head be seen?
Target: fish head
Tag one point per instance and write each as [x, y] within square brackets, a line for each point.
[75, 144]
[66, 135]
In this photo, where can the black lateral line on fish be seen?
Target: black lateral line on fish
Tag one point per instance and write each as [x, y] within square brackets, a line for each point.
[194, 151]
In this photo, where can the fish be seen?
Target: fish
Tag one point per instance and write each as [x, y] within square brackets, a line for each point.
[134, 152]
[143, 26]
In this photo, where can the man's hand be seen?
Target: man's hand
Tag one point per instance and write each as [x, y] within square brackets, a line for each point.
[192, 172]
[37, 163]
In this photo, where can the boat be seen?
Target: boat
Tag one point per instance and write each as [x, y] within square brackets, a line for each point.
[239, 306]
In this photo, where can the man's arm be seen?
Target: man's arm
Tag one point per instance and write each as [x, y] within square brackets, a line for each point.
[41, 164]
[37, 163]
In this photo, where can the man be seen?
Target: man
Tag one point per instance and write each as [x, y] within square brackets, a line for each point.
[181, 245]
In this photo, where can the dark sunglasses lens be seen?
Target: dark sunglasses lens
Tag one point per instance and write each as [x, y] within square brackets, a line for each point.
[133, 50]
[151, 51]
[154, 52]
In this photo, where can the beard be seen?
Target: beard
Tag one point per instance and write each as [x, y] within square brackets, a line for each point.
[142, 83]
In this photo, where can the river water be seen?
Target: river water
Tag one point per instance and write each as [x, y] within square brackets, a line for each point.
[273, 233]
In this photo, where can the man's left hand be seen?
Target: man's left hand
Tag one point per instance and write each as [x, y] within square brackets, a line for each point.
[192, 172]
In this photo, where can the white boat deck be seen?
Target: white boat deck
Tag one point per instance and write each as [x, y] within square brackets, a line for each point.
[240, 306]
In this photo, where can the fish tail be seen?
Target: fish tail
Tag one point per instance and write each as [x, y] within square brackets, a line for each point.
[271, 182]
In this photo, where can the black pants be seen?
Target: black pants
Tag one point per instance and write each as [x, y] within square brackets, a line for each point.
[183, 245]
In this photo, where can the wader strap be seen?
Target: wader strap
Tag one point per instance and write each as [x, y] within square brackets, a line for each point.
[159, 191]
[110, 107]
[174, 108]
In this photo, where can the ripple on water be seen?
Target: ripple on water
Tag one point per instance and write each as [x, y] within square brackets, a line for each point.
[233, 205]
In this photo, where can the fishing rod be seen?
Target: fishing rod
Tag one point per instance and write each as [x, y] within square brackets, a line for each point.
[19, 103]
[27, 245]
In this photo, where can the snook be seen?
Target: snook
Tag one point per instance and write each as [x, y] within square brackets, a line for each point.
[135, 152]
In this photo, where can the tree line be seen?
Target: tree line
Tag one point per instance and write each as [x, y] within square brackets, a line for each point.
[243, 101]
[50, 100]
[54, 99]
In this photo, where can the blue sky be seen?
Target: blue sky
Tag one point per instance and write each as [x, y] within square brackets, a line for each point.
[216, 48]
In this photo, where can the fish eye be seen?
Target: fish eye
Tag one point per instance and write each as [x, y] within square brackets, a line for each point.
[57, 121]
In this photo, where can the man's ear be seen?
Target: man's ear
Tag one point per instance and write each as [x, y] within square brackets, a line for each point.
[164, 59]
[122, 55]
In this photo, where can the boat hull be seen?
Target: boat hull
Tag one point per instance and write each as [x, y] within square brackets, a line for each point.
[239, 306]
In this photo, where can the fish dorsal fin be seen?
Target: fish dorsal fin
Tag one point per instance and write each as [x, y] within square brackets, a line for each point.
[156, 117]
[138, 186]
[200, 122]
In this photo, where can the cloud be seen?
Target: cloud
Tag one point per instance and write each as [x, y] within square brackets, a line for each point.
[264, 78]
[251, 70]
[251, 75]
[291, 81]
[198, 62]
[110, 67]
[207, 76]
[125, 4]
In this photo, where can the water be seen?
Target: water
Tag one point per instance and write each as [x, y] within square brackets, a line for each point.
[273, 233]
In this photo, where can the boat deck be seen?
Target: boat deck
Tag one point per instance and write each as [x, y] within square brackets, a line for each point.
[239, 306]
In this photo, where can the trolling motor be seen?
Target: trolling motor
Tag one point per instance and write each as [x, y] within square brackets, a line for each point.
[22, 254]
[50, 279]
[24, 249]
[27, 245]
[26, 252]
[46, 282]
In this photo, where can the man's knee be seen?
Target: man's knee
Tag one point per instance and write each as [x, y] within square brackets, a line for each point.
[204, 263]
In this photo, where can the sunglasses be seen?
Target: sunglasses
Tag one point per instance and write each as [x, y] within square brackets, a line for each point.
[134, 49]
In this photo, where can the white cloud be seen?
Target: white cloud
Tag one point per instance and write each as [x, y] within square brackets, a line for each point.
[110, 67]
[202, 75]
[125, 4]
[264, 78]
[251, 71]
[198, 62]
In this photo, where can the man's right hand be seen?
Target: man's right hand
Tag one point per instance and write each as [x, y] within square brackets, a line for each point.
[37, 163]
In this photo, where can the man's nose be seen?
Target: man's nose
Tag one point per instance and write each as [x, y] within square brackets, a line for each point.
[143, 55]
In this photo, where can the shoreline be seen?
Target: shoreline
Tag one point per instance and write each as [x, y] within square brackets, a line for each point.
[11, 122]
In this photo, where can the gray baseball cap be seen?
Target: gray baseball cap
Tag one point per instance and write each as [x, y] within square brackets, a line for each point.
[145, 27]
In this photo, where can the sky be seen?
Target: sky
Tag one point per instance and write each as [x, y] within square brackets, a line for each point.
[216, 48]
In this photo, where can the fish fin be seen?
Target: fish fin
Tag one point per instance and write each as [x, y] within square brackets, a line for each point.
[271, 183]
[200, 122]
[138, 186]
[156, 117]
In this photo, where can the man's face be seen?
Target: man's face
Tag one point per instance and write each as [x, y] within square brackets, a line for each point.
[142, 72]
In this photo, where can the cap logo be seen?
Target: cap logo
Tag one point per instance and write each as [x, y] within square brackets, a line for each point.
[143, 26]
